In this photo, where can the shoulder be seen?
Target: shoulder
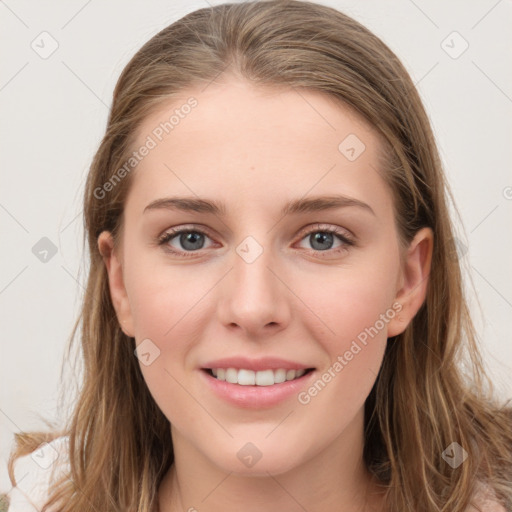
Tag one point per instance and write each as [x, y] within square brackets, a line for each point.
[485, 499]
[35, 473]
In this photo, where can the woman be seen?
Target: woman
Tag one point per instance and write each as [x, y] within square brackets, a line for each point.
[273, 316]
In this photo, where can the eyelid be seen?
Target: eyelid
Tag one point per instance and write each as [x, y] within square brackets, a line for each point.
[305, 230]
[175, 231]
[312, 228]
[343, 234]
[188, 227]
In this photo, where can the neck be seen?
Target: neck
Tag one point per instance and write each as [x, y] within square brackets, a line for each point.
[334, 480]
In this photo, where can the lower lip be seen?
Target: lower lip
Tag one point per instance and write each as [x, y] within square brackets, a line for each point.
[256, 397]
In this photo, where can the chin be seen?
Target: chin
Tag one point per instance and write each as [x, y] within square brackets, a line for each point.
[252, 461]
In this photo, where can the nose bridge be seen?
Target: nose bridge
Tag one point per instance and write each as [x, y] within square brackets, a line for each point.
[254, 297]
[251, 266]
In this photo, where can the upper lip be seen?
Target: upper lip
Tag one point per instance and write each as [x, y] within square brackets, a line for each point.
[264, 363]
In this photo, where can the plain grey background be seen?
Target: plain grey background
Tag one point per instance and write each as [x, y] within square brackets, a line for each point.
[60, 62]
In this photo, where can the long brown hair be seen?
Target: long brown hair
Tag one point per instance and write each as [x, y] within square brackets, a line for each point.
[423, 399]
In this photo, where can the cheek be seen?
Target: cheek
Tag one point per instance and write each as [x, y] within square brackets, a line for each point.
[166, 306]
[354, 320]
[347, 303]
[352, 311]
[163, 298]
[358, 310]
[166, 312]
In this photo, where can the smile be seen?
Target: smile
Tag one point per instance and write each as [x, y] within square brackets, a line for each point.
[255, 383]
[244, 377]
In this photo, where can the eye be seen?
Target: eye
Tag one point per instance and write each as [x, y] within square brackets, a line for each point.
[322, 239]
[190, 240]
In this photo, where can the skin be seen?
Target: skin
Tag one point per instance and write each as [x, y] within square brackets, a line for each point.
[254, 149]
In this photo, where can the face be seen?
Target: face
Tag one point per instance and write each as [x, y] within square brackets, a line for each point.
[270, 286]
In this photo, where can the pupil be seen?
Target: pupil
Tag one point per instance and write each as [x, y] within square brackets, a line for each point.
[321, 237]
[188, 240]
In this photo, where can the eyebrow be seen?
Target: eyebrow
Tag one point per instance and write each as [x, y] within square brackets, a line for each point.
[309, 205]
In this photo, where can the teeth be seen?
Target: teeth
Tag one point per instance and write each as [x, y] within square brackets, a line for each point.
[246, 378]
[232, 376]
[261, 378]
[264, 378]
[279, 376]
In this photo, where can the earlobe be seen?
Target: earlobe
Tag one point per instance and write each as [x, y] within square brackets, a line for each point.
[414, 280]
[117, 288]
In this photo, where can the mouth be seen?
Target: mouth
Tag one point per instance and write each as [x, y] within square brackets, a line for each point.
[255, 383]
[246, 377]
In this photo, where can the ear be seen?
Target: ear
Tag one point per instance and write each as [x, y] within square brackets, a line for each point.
[413, 281]
[116, 282]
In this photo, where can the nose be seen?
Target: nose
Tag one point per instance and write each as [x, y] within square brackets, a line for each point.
[254, 297]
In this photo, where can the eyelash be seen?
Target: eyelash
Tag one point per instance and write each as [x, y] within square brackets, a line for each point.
[340, 234]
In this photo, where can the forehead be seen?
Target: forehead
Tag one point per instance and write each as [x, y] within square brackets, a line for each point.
[238, 141]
